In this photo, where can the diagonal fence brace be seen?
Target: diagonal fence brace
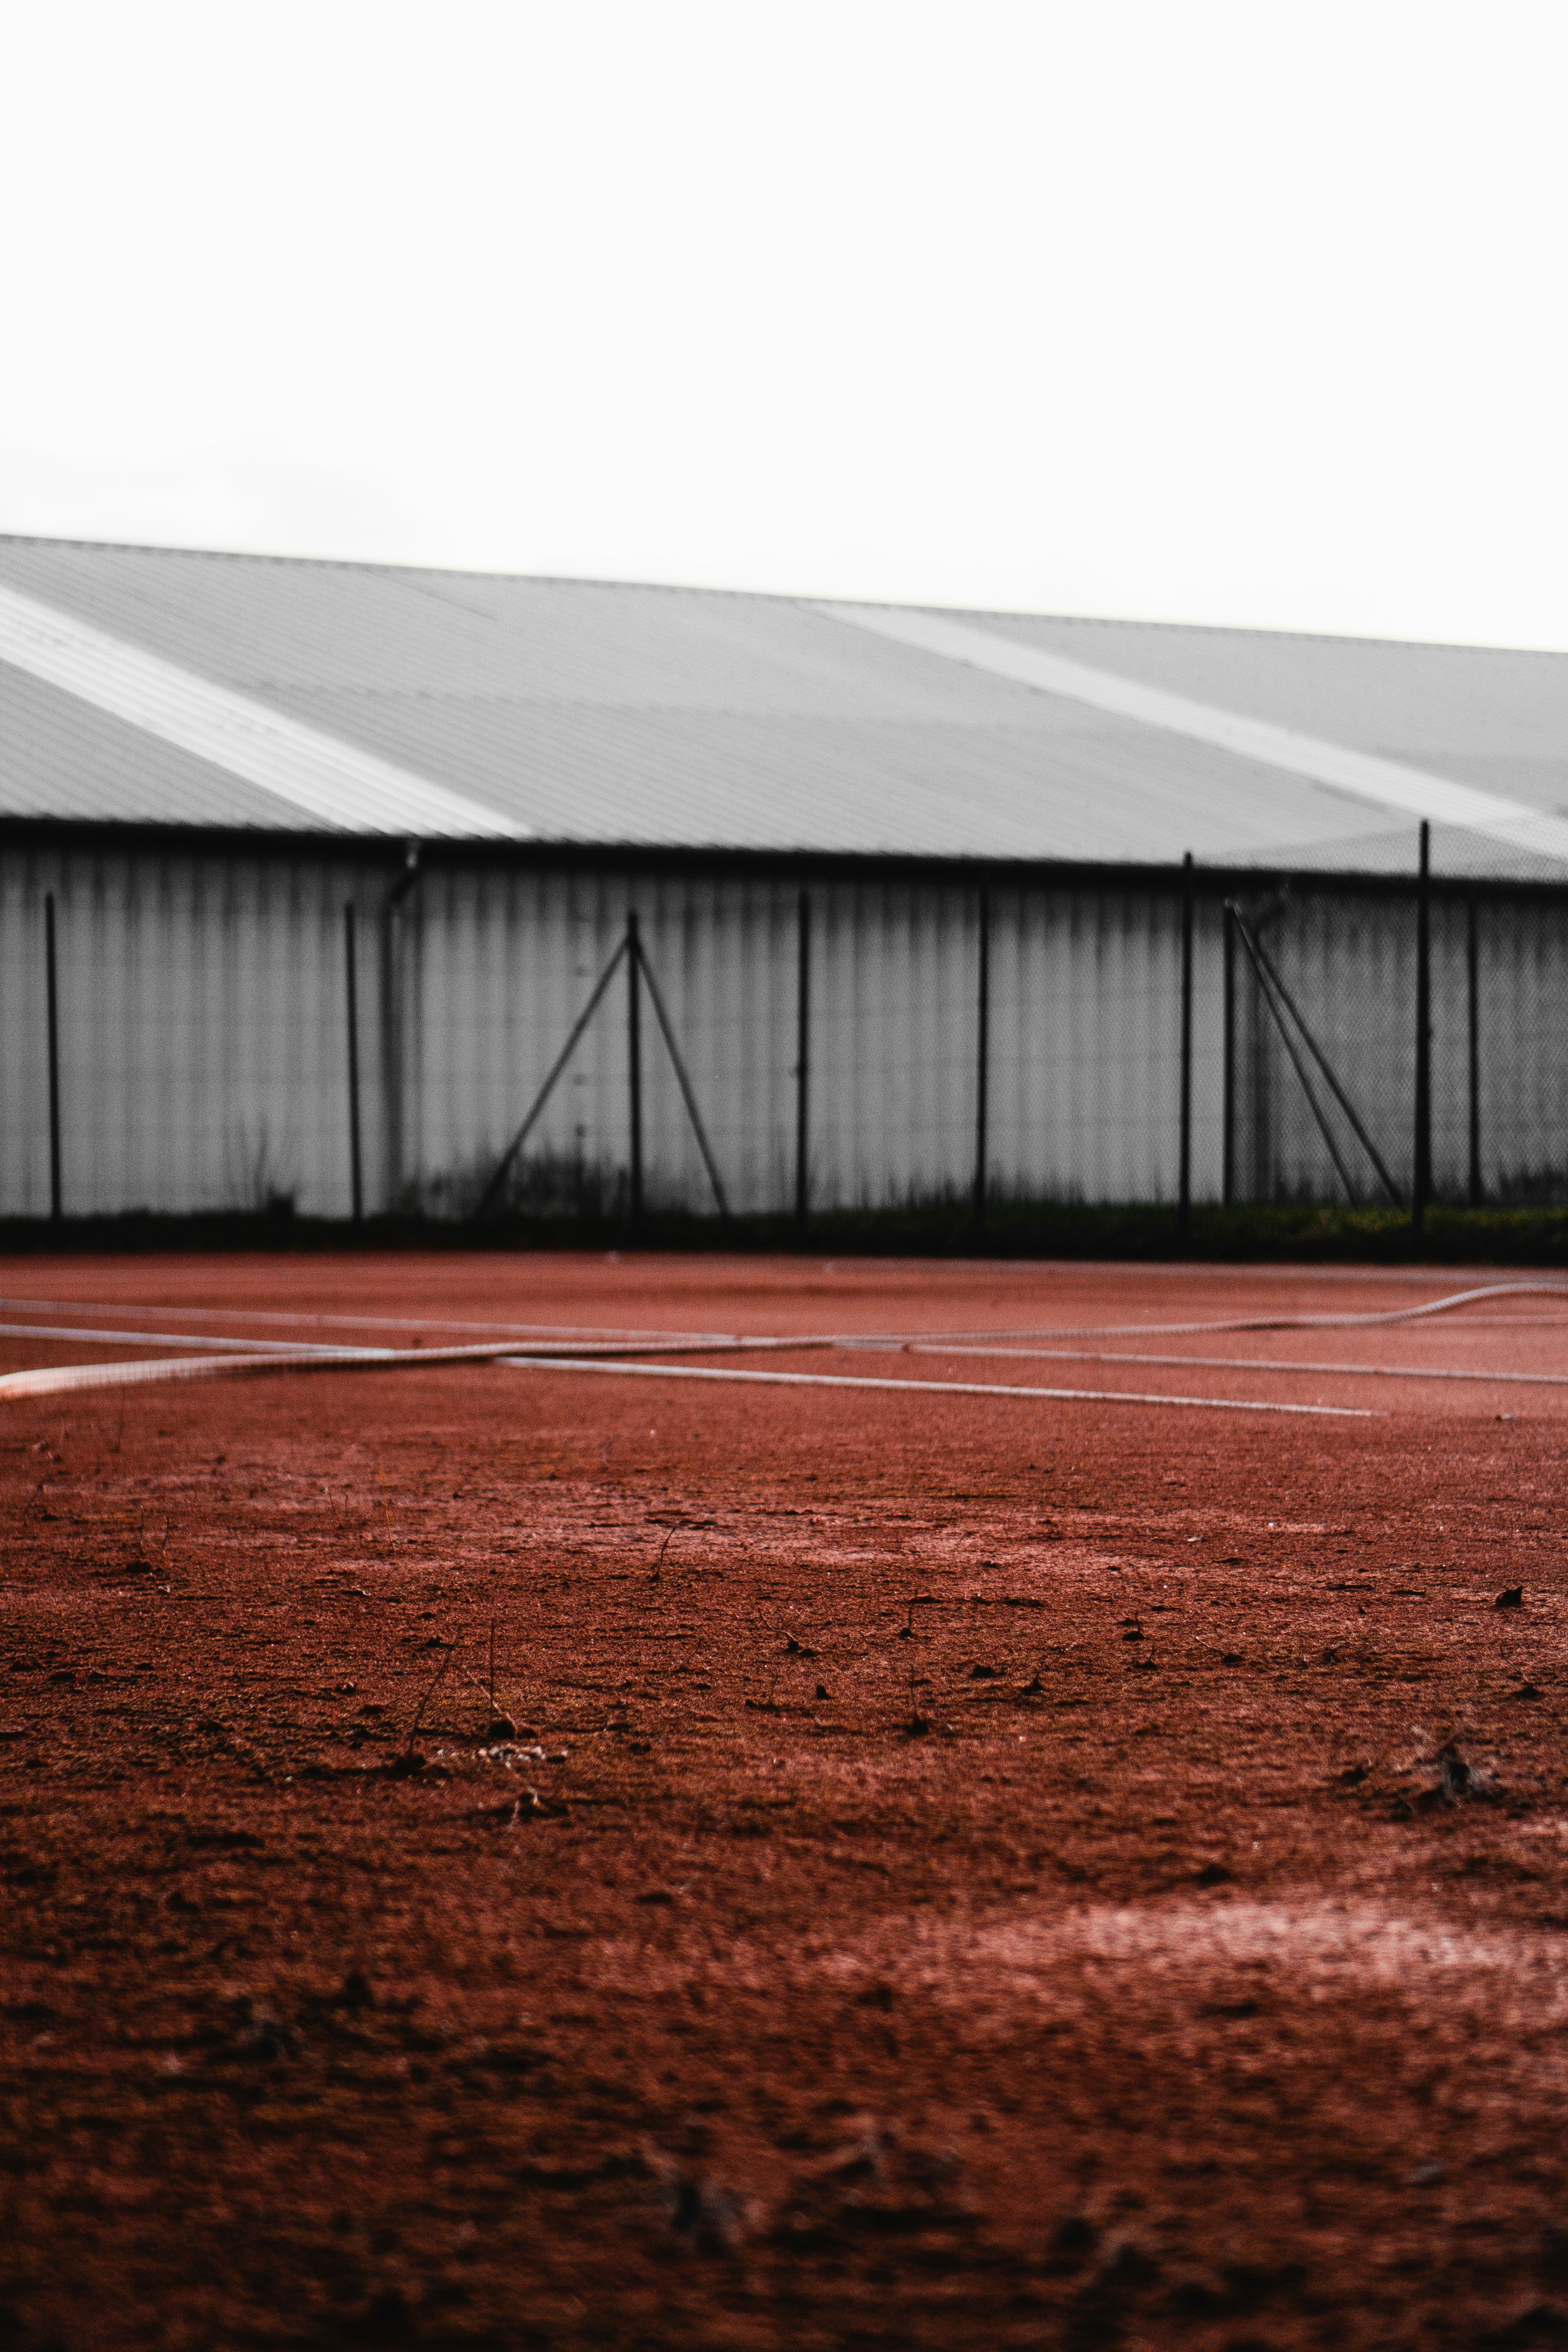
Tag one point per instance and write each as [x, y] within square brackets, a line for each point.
[1344, 1100]
[630, 945]
[689, 1097]
[1324, 1129]
[503, 1165]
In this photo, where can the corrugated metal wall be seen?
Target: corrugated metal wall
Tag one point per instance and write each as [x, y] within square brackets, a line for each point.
[202, 1033]
[1349, 960]
[1084, 1038]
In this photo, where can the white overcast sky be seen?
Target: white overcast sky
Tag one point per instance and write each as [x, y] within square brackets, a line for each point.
[1248, 314]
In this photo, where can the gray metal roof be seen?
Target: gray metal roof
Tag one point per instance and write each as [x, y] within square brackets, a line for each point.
[151, 685]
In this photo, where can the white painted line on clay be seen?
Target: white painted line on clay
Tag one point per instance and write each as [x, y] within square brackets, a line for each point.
[1242, 1364]
[925, 1388]
[96, 1337]
[54, 1379]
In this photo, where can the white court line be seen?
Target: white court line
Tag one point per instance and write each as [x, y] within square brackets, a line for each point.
[339, 1353]
[722, 1346]
[364, 1322]
[182, 1339]
[1264, 1322]
[569, 1353]
[55, 1379]
[1241, 1364]
[58, 1380]
[926, 1388]
[542, 1333]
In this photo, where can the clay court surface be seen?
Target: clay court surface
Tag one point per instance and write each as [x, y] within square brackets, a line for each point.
[963, 1870]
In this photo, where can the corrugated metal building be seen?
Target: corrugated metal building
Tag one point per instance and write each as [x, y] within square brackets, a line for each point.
[907, 884]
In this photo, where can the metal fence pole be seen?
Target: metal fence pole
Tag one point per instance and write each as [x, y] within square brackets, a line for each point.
[398, 997]
[803, 1065]
[1473, 992]
[1227, 1115]
[1421, 1186]
[983, 1060]
[634, 1061]
[1184, 1182]
[52, 995]
[355, 1164]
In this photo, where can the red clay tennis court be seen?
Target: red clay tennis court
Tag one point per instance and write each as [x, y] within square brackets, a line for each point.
[581, 1844]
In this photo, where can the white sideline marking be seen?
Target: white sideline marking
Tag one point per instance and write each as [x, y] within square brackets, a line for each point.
[1267, 1322]
[536, 1334]
[53, 1379]
[927, 1388]
[620, 1338]
[619, 1346]
[573, 1355]
[183, 1339]
[340, 1350]
[1243, 1364]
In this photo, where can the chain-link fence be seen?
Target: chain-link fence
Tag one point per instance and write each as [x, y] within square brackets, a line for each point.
[473, 1036]
[1397, 1041]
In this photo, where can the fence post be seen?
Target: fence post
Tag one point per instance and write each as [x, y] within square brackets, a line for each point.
[634, 1061]
[355, 1164]
[396, 998]
[1473, 991]
[802, 1064]
[1421, 1184]
[1184, 1182]
[983, 1060]
[53, 1002]
[1228, 1116]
